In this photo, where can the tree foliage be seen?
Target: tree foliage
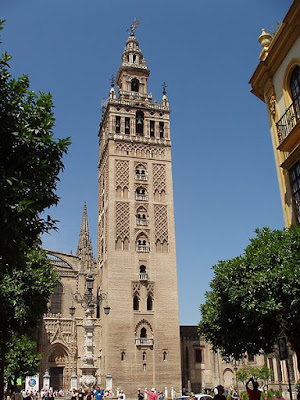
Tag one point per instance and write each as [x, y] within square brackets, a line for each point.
[22, 358]
[255, 298]
[30, 163]
[243, 373]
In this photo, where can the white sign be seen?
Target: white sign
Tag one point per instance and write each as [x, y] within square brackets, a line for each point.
[32, 383]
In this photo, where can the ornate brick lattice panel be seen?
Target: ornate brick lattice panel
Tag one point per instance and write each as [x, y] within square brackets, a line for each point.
[122, 220]
[136, 289]
[122, 173]
[161, 222]
[106, 180]
[150, 289]
[140, 150]
[159, 177]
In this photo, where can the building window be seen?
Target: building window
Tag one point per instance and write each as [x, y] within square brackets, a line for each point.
[127, 125]
[294, 174]
[139, 123]
[165, 356]
[143, 273]
[56, 299]
[161, 130]
[198, 356]
[142, 244]
[136, 303]
[141, 194]
[152, 131]
[118, 124]
[250, 357]
[144, 367]
[141, 217]
[141, 173]
[123, 356]
[144, 356]
[135, 84]
[143, 333]
[295, 91]
[149, 303]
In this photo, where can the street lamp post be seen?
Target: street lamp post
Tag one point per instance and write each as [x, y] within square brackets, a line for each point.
[88, 302]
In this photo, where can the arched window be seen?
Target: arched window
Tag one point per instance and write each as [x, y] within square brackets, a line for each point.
[142, 243]
[144, 356]
[56, 299]
[142, 269]
[139, 122]
[165, 356]
[295, 91]
[123, 356]
[140, 173]
[149, 303]
[141, 194]
[136, 303]
[135, 84]
[143, 333]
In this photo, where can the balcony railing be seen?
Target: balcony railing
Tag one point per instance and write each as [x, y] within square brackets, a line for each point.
[141, 177]
[143, 222]
[288, 121]
[142, 248]
[144, 342]
[143, 197]
[143, 276]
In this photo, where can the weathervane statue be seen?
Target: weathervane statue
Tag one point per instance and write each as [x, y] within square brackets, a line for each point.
[133, 26]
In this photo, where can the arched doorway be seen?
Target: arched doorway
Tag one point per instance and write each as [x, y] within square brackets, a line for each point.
[228, 378]
[57, 362]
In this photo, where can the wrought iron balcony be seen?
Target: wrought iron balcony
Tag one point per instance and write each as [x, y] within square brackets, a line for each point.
[143, 222]
[143, 197]
[143, 276]
[287, 122]
[142, 248]
[144, 342]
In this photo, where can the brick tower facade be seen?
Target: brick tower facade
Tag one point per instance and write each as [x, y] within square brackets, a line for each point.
[140, 345]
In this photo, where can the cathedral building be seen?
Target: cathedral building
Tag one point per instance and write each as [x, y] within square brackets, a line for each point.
[114, 321]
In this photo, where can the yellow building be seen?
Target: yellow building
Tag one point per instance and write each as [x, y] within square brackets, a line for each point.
[276, 81]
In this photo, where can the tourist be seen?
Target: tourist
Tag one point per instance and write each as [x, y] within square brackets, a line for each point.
[122, 395]
[99, 393]
[90, 396]
[81, 394]
[73, 395]
[255, 393]
[220, 393]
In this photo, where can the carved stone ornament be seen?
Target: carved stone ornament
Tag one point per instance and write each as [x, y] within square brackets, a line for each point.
[272, 103]
[88, 381]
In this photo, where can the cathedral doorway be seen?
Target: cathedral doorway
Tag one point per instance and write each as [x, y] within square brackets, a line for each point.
[56, 377]
[58, 361]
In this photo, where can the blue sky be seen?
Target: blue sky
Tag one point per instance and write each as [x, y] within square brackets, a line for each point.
[225, 183]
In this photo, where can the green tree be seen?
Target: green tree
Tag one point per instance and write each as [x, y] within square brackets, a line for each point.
[22, 358]
[30, 162]
[244, 373]
[255, 298]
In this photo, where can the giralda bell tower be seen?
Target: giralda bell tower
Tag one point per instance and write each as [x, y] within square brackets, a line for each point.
[140, 345]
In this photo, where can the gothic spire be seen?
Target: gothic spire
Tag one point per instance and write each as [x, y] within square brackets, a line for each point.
[84, 248]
